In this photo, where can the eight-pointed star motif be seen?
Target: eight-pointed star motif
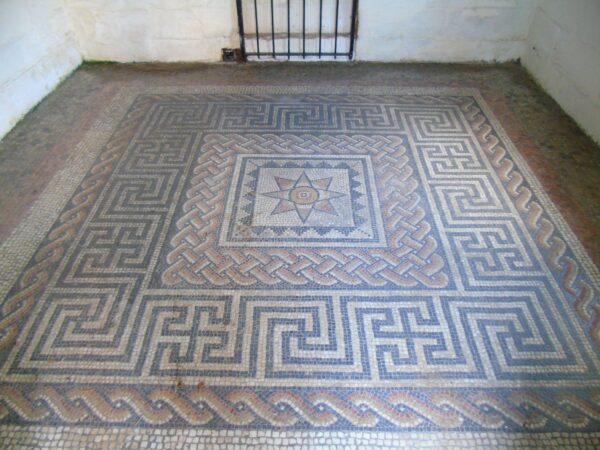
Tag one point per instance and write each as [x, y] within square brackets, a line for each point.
[304, 195]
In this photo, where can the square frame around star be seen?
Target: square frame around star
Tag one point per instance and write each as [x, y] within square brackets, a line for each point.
[306, 201]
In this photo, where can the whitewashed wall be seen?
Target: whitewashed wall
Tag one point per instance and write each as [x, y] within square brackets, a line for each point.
[153, 30]
[443, 30]
[389, 30]
[559, 40]
[564, 56]
[36, 51]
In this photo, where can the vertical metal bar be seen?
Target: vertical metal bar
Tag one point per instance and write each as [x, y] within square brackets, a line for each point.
[320, 24]
[241, 29]
[288, 11]
[353, 28]
[303, 29]
[273, 29]
[256, 25]
[337, 14]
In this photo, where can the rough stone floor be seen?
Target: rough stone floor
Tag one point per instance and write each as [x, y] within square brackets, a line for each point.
[300, 255]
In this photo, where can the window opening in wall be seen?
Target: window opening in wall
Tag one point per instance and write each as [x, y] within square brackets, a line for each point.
[297, 29]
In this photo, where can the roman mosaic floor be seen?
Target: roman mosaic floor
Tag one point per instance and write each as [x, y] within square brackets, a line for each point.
[297, 266]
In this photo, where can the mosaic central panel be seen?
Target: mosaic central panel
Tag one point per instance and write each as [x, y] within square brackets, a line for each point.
[311, 201]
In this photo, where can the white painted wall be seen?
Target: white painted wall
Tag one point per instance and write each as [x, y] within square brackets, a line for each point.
[389, 30]
[153, 30]
[563, 54]
[443, 30]
[558, 40]
[36, 51]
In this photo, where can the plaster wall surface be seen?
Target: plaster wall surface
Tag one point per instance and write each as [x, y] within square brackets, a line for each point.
[563, 54]
[153, 30]
[37, 51]
[442, 30]
[389, 30]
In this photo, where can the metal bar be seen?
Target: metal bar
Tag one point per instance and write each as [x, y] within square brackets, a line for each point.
[273, 28]
[353, 28]
[281, 35]
[257, 36]
[320, 24]
[241, 29]
[303, 29]
[302, 54]
[337, 13]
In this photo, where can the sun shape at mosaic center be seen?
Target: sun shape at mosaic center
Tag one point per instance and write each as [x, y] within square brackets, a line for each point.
[304, 196]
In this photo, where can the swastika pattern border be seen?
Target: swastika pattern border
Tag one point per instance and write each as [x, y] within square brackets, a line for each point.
[131, 313]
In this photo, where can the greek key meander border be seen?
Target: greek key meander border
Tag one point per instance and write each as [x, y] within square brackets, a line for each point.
[21, 245]
[25, 239]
